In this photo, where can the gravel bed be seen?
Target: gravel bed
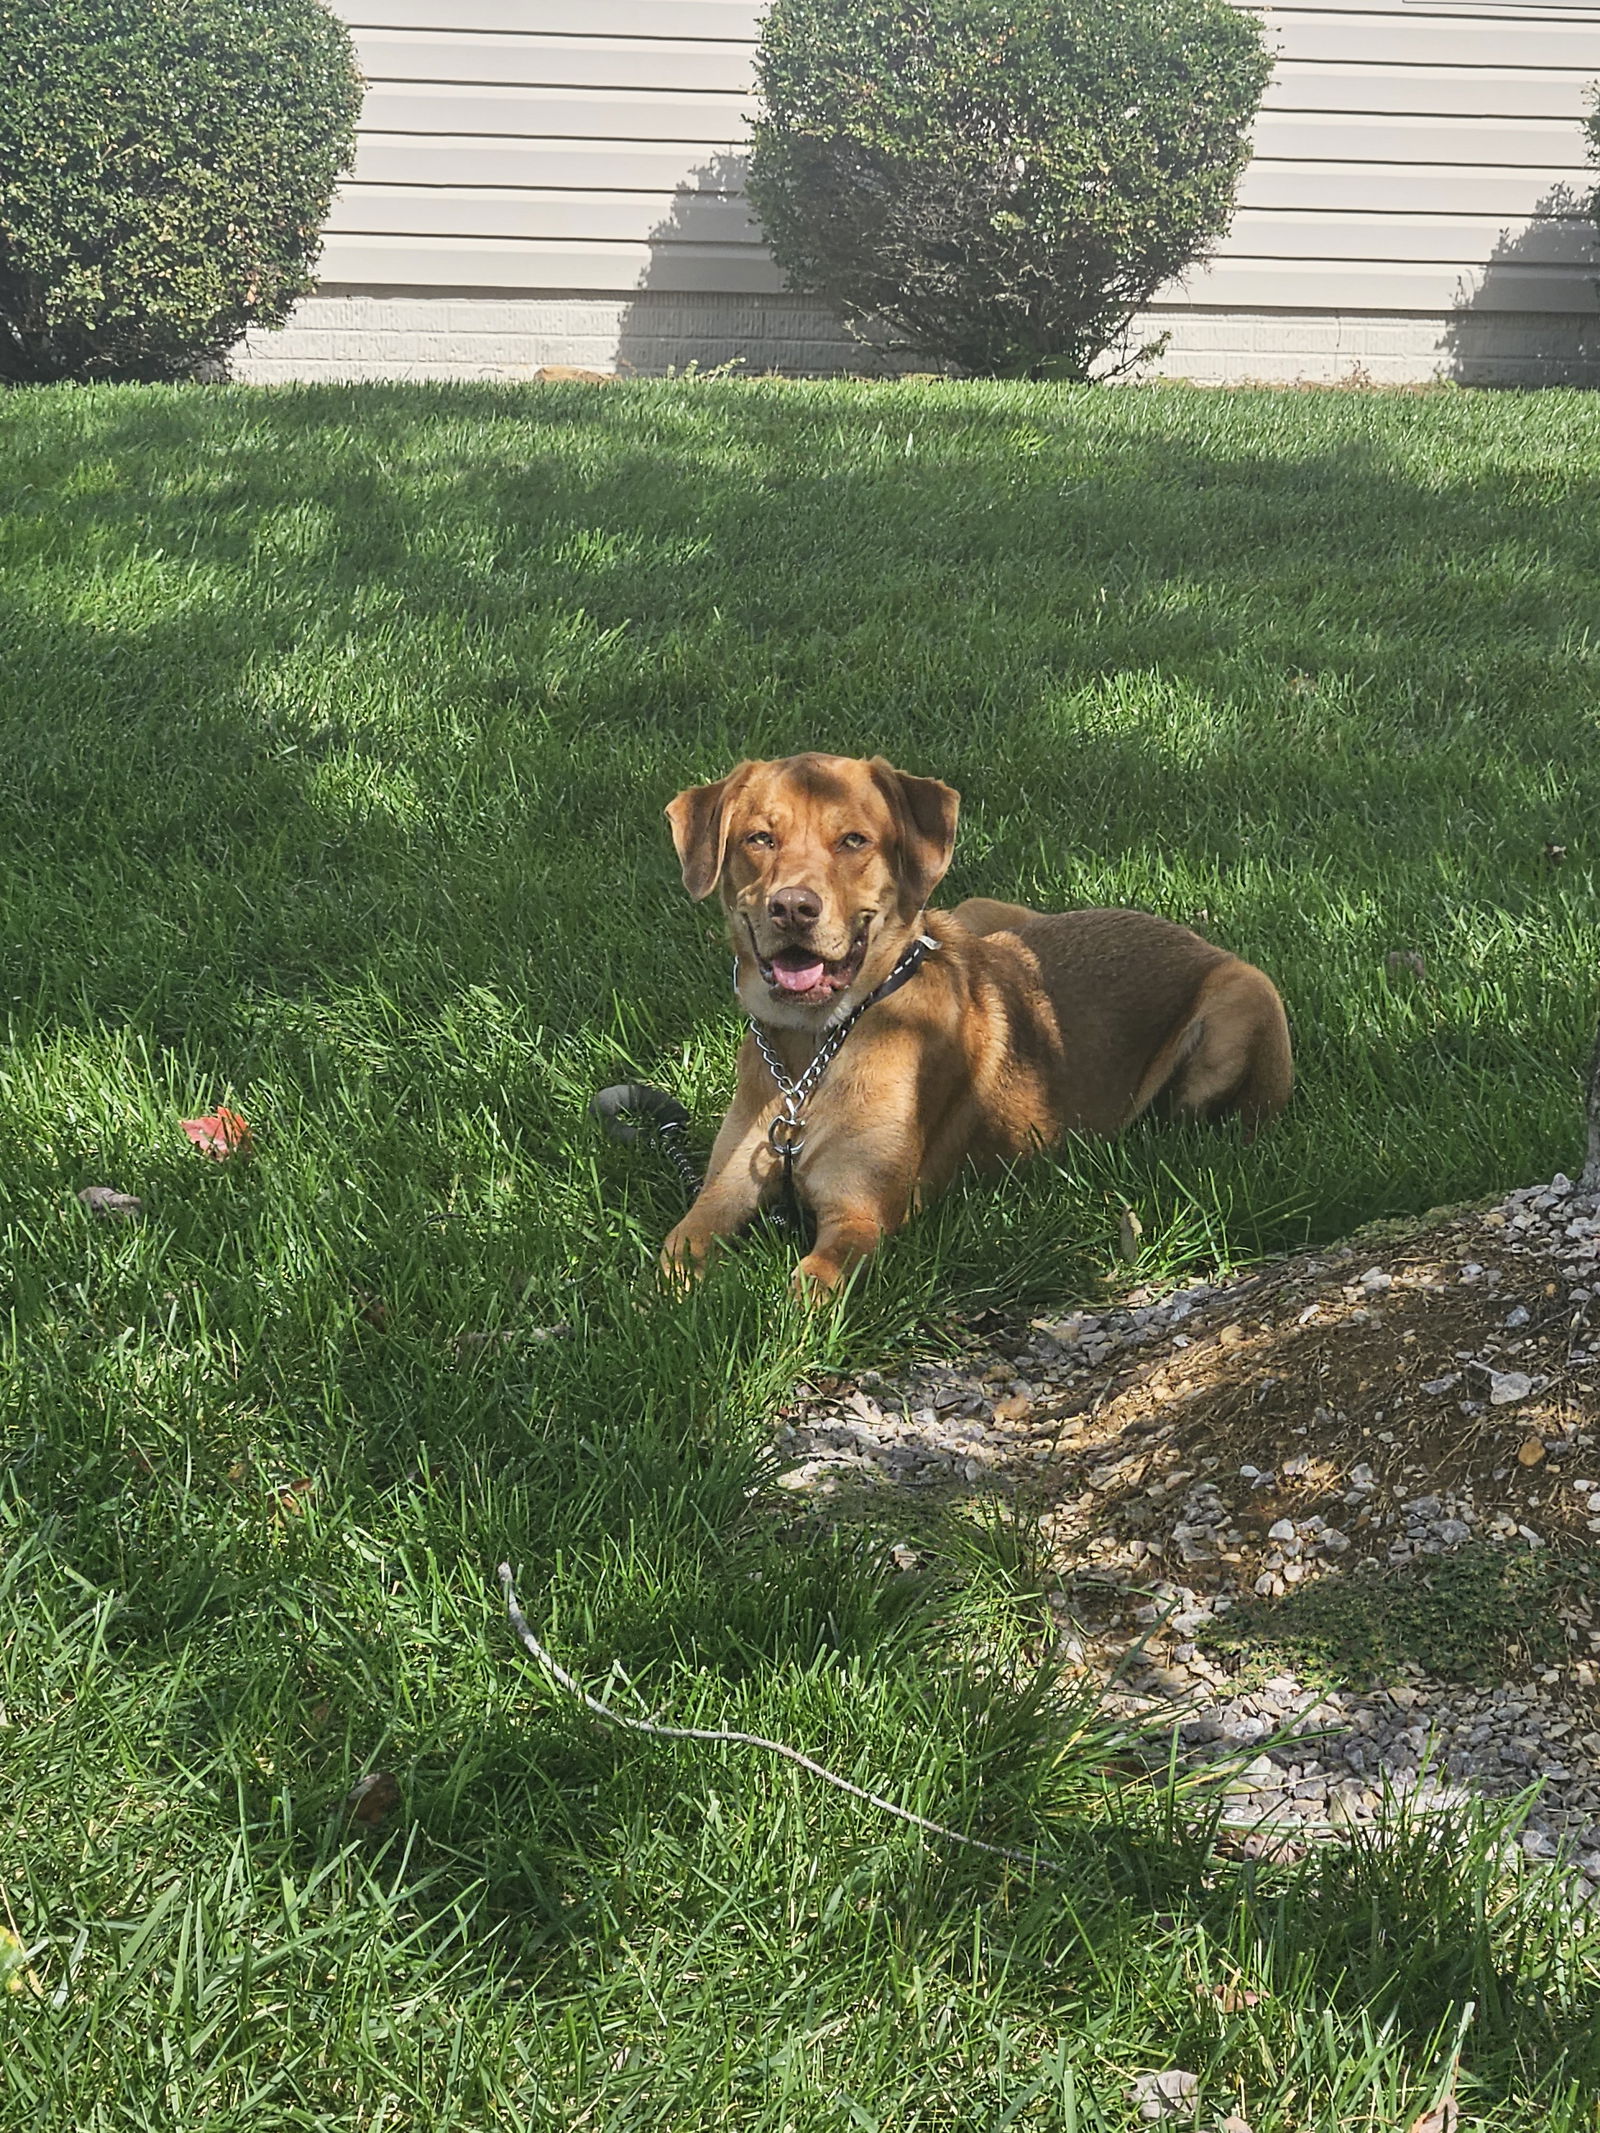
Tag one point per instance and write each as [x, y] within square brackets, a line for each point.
[1188, 1451]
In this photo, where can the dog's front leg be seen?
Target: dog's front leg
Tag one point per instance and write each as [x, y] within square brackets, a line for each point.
[861, 1187]
[845, 1236]
[741, 1174]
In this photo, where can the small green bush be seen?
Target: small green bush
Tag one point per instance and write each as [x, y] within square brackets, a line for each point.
[1000, 184]
[165, 168]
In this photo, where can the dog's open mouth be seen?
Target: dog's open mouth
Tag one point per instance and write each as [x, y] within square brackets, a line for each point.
[802, 974]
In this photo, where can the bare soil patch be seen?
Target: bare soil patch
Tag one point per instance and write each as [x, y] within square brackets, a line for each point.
[1337, 1516]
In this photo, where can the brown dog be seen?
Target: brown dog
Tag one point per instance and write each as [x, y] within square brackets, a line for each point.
[1016, 1028]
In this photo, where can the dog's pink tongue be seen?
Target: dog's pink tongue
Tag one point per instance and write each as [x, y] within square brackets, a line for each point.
[798, 977]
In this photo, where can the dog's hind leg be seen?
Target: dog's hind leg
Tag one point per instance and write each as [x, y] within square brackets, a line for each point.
[1269, 1080]
[1230, 1053]
[984, 914]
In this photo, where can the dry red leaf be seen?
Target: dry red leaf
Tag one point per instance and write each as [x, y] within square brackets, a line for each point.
[224, 1133]
[373, 1798]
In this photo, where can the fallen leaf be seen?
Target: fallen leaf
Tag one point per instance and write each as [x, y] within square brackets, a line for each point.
[1407, 960]
[15, 1975]
[109, 1204]
[470, 1344]
[1169, 2095]
[292, 1498]
[220, 1135]
[1130, 1235]
[1012, 1408]
[1233, 2123]
[1445, 2116]
[1234, 1999]
[373, 1798]
[1530, 1452]
[572, 374]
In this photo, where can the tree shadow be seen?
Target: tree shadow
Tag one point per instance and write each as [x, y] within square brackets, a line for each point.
[709, 301]
[374, 736]
[572, 545]
[1533, 318]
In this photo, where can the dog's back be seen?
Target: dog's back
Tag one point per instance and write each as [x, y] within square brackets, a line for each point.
[1149, 1013]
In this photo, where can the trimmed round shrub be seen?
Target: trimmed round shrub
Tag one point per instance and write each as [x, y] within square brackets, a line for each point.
[1000, 184]
[165, 168]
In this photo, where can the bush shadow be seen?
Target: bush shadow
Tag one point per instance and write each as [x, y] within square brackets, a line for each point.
[1533, 318]
[711, 300]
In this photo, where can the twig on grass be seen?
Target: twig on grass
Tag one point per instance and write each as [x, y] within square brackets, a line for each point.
[557, 1672]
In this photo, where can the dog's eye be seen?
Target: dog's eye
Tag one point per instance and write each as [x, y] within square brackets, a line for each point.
[853, 841]
[763, 838]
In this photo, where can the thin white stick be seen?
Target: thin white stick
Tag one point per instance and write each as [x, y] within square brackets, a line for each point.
[750, 1740]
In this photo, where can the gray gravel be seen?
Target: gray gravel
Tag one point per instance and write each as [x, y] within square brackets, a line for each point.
[1162, 1558]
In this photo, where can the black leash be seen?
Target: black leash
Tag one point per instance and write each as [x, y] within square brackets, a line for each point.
[664, 1117]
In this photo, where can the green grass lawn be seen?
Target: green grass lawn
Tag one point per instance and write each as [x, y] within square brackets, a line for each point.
[336, 730]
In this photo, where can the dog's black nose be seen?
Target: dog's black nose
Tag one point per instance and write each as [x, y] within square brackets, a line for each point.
[794, 907]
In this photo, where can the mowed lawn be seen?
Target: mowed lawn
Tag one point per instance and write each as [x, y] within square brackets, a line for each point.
[335, 727]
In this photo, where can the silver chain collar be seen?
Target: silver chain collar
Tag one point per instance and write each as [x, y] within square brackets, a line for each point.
[784, 1134]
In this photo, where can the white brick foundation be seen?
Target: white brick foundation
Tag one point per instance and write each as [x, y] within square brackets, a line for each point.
[1390, 348]
[398, 333]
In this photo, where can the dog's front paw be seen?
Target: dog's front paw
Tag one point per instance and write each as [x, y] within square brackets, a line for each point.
[684, 1255]
[815, 1278]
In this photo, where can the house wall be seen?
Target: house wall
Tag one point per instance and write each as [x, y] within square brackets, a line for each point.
[539, 182]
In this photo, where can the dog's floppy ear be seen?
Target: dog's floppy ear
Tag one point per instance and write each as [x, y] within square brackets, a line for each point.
[699, 819]
[926, 811]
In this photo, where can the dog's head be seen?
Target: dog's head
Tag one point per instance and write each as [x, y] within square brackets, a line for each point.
[824, 864]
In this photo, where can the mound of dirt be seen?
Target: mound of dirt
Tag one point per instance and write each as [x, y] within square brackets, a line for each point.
[1353, 1495]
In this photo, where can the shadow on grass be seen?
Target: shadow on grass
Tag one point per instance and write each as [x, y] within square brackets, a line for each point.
[342, 685]
[341, 723]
